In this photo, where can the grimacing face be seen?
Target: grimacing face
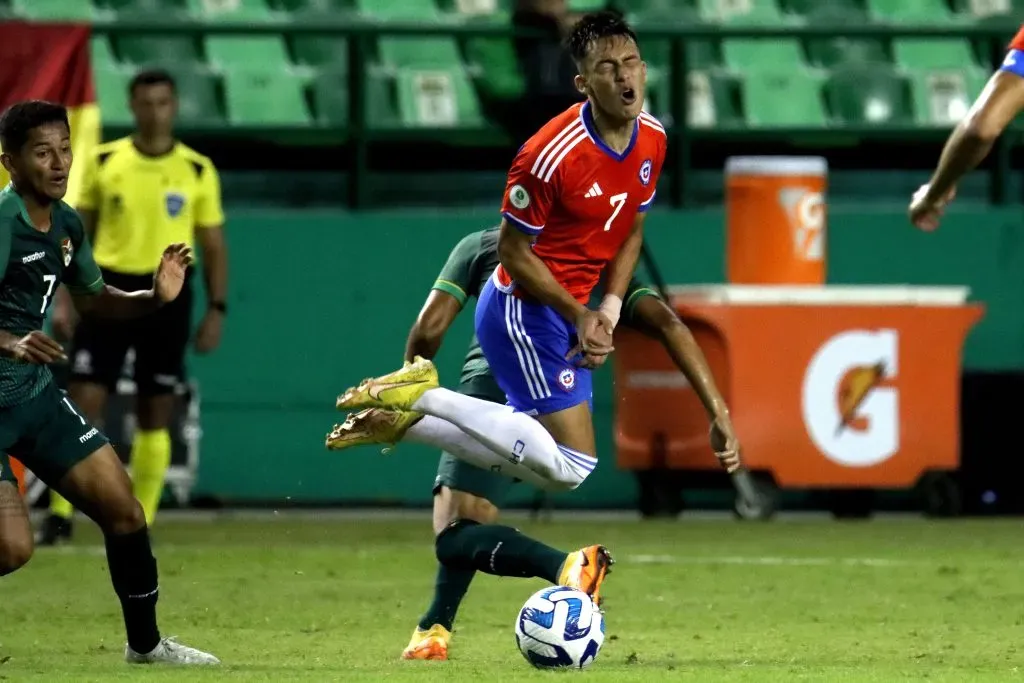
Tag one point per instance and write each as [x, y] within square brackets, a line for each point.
[615, 77]
[43, 165]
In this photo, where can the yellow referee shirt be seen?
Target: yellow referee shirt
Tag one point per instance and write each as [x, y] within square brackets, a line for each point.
[144, 203]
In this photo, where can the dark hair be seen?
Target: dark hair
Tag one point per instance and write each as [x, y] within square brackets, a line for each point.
[19, 119]
[593, 27]
[151, 77]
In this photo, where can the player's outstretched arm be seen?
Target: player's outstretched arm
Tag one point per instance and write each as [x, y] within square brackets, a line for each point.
[997, 105]
[431, 324]
[653, 317]
[111, 302]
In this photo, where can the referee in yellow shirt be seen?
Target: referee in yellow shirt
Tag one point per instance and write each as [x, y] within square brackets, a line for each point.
[139, 194]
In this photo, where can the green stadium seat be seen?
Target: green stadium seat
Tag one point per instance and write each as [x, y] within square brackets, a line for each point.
[320, 51]
[714, 100]
[772, 54]
[246, 52]
[162, 51]
[666, 10]
[148, 6]
[400, 10]
[786, 97]
[925, 53]
[804, 7]
[911, 11]
[419, 52]
[700, 53]
[69, 10]
[401, 51]
[494, 62]
[437, 99]
[198, 96]
[112, 94]
[230, 10]
[265, 96]
[981, 9]
[329, 96]
[476, 8]
[829, 52]
[868, 94]
[942, 98]
[587, 5]
[750, 12]
[313, 6]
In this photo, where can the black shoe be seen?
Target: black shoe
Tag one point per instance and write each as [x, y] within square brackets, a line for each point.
[54, 530]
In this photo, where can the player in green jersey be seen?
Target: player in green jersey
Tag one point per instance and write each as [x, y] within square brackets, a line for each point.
[467, 496]
[43, 244]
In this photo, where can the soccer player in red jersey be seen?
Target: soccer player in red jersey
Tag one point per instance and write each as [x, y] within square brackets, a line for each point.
[574, 205]
[997, 105]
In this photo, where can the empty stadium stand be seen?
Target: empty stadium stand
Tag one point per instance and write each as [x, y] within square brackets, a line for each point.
[436, 81]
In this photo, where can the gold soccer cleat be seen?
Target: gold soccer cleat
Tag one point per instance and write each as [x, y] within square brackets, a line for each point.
[373, 425]
[398, 390]
[431, 644]
[586, 570]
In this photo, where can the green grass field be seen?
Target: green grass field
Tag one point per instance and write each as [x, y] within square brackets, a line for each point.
[290, 599]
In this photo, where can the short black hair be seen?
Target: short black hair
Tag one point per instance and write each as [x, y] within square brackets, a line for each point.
[152, 77]
[17, 122]
[593, 27]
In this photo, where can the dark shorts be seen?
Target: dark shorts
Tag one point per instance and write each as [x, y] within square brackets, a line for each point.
[461, 476]
[48, 434]
[159, 341]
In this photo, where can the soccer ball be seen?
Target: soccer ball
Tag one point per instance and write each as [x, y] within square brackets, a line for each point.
[558, 628]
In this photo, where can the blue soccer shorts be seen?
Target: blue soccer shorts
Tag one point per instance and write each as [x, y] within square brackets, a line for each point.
[525, 344]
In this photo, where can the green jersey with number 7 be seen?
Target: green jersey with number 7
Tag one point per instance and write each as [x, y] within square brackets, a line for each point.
[32, 265]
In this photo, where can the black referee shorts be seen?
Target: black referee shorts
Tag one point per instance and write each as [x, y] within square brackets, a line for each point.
[159, 340]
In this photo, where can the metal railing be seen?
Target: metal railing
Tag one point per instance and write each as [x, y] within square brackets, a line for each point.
[362, 33]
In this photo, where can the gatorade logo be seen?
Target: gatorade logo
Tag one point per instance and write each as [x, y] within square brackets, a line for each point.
[850, 415]
[806, 212]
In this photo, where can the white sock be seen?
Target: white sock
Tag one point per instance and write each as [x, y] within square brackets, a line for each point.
[442, 434]
[509, 439]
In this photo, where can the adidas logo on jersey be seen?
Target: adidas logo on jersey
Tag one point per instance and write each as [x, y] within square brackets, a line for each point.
[594, 191]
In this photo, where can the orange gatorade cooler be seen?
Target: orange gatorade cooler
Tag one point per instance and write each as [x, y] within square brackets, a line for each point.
[775, 220]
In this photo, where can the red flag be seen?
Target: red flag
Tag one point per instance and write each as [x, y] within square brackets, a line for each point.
[52, 62]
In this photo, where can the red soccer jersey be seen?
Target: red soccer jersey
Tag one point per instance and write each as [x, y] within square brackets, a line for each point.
[1018, 40]
[579, 197]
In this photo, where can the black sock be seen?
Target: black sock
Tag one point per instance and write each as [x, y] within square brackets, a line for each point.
[449, 589]
[499, 550]
[133, 573]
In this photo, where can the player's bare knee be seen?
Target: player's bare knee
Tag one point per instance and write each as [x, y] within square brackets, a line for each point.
[451, 505]
[15, 552]
[123, 516]
[475, 508]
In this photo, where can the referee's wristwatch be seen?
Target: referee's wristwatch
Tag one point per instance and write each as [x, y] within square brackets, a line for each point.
[219, 306]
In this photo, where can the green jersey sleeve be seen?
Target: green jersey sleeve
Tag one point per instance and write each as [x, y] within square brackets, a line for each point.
[636, 291]
[6, 235]
[82, 275]
[459, 277]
